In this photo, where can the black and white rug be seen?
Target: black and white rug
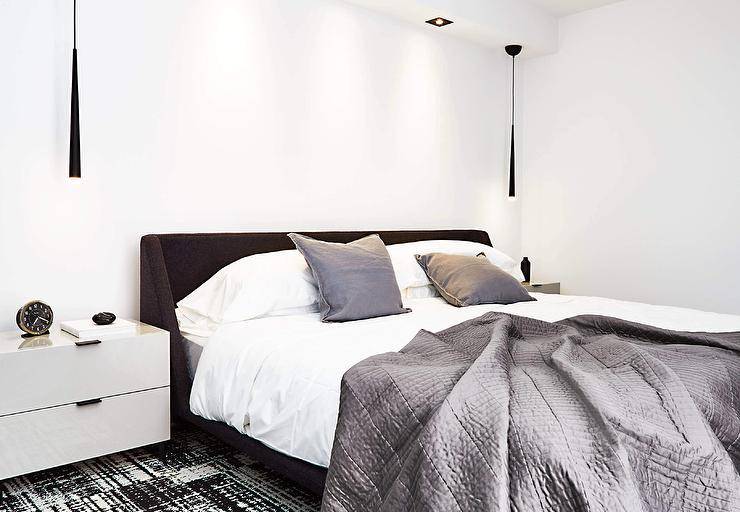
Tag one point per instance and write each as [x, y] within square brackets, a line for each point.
[199, 473]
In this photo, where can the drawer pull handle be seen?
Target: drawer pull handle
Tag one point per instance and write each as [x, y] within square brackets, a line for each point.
[89, 402]
[87, 342]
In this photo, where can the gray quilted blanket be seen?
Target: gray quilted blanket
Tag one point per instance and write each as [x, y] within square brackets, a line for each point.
[510, 413]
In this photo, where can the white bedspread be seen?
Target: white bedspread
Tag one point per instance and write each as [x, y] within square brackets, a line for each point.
[277, 379]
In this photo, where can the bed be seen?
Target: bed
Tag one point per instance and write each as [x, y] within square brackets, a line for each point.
[287, 417]
[173, 265]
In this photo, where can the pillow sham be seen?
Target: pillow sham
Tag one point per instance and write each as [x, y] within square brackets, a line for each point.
[471, 280]
[410, 275]
[355, 280]
[266, 284]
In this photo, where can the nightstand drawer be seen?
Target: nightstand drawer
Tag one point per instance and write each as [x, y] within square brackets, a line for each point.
[553, 288]
[65, 373]
[61, 435]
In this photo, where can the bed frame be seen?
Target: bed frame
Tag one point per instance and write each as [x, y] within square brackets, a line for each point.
[173, 265]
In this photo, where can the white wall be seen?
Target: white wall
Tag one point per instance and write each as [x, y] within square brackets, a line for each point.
[632, 154]
[233, 115]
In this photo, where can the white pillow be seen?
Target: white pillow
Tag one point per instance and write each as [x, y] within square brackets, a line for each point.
[409, 273]
[266, 284]
[420, 292]
[190, 322]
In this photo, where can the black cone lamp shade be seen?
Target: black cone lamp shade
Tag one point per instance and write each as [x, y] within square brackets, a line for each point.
[75, 170]
[513, 50]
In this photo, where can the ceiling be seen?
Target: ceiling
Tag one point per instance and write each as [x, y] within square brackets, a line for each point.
[492, 23]
[566, 7]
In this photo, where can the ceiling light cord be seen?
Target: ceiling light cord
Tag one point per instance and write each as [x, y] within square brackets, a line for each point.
[74, 25]
[513, 78]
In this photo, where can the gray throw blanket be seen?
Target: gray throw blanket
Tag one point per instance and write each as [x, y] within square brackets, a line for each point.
[510, 413]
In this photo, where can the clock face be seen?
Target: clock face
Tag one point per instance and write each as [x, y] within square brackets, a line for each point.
[35, 317]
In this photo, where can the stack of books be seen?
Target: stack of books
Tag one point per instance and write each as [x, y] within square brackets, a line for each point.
[89, 330]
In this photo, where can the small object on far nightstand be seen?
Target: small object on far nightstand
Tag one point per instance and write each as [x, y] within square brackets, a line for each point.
[34, 318]
[104, 318]
[526, 269]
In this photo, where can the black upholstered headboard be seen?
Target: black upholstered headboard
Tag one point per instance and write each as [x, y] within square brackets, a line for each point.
[173, 265]
[191, 259]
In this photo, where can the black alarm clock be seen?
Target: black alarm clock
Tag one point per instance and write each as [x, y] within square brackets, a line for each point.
[35, 318]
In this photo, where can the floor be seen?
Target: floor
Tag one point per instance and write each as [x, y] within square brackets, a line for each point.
[198, 473]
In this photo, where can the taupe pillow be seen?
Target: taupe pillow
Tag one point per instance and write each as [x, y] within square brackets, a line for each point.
[356, 280]
[471, 280]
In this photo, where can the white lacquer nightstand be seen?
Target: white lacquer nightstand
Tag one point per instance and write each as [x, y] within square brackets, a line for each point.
[63, 400]
[553, 288]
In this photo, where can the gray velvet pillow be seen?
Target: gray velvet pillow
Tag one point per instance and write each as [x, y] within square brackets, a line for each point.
[356, 280]
[471, 280]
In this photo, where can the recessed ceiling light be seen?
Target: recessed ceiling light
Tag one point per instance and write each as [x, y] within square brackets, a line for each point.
[439, 22]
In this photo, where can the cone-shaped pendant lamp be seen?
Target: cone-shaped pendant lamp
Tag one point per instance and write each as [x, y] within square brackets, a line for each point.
[513, 50]
[74, 128]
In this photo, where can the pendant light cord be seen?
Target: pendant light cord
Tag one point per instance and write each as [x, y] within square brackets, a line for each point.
[74, 25]
[513, 71]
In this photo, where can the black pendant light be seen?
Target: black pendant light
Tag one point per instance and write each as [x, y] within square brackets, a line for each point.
[513, 50]
[74, 128]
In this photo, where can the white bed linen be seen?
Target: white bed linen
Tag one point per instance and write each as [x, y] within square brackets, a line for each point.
[194, 346]
[201, 341]
[278, 379]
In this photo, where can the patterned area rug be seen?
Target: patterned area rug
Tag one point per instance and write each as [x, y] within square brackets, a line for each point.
[198, 473]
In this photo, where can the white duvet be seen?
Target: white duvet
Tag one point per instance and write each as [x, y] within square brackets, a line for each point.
[277, 379]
